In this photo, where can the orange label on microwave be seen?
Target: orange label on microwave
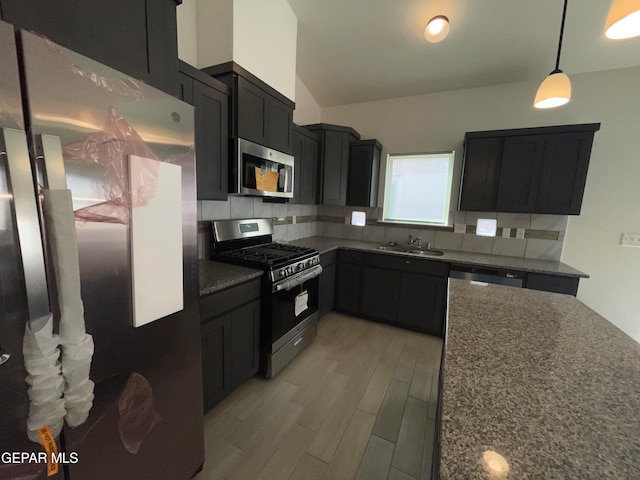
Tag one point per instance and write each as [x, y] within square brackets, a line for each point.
[266, 180]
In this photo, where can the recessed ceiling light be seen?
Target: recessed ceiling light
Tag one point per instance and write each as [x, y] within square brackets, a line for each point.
[437, 29]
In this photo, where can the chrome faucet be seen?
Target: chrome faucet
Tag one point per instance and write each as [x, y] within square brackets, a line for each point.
[414, 241]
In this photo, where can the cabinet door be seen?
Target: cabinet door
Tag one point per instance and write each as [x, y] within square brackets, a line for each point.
[482, 158]
[422, 302]
[564, 173]
[380, 294]
[185, 88]
[335, 158]
[306, 152]
[327, 290]
[520, 173]
[216, 360]
[252, 112]
[297, 140]
[245, 343]
[211, 132]
[348, 288]
[136, 37]
[362, 181]
[279, 123]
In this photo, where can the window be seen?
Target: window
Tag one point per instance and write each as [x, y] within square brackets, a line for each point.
[417, 188]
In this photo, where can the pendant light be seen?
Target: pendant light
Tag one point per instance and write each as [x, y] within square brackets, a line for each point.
[623, 20]
[556, 88]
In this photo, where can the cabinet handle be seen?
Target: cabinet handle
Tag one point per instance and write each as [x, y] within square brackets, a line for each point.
[295, 344]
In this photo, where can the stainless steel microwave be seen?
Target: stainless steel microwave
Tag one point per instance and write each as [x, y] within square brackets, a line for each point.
[262, 171]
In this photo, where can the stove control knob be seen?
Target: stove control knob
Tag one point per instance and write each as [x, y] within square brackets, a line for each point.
[282, 273]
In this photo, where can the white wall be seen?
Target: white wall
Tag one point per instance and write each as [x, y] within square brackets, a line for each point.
[187, 38]
[264, 42]
[612, 199]
[214, 26]
[307, 110]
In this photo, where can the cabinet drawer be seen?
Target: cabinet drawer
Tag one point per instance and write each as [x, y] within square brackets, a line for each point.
[224, 301]
[349, 256]
[328, 258]
[407, 264]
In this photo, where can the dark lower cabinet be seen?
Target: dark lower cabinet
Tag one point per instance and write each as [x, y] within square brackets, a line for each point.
[230, 340]
[348, 281]
[327, 285]
[306, 151]
[380, 294]
[216, 360]
[136, 37]
[423, 302]
[552, 283]
[403, 291]
[210, 99]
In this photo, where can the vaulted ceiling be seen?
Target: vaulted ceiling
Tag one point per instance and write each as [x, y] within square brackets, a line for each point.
[359, 50]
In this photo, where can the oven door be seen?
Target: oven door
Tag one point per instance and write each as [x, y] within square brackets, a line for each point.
[263, 171]
[290, 308]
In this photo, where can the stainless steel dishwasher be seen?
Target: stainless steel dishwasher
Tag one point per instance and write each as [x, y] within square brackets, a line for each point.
[500, 276]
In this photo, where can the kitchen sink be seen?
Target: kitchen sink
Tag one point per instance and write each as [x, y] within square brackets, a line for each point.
[411, 249]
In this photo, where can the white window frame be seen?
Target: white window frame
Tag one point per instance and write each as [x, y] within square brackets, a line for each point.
[447, 200]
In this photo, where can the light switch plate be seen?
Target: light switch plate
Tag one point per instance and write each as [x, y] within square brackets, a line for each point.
[520, 233]
[460, 228]
[630, 239]
[506, 232]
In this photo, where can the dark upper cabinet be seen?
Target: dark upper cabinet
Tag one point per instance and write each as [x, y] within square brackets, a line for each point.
[520, 173]
[306, 152]
[563, 174]
[259, 113]
[137, 37]
[363, 173]
[481, 169]
[211, 101]
[530, 170]
[335, 143]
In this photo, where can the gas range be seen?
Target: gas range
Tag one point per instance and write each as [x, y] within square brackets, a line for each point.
[279, 260]
[289, 297]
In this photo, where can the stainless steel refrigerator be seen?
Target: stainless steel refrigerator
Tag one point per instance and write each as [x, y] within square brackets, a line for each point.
[132, 397]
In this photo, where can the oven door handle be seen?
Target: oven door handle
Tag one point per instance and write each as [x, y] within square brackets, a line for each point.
[297, 279]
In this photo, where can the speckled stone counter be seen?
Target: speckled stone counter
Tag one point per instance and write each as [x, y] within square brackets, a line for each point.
[541, 380]
[326, 244]
[216, 276]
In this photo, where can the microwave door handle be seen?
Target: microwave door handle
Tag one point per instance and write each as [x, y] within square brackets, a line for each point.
[21, 186]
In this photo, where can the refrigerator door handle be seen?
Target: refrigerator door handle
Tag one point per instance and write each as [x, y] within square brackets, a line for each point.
[50, 162]
[20, 180]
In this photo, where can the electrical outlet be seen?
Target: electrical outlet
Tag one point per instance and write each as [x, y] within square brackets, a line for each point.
[520, 233]
[630, 239]
[460, 228]
[506, 232]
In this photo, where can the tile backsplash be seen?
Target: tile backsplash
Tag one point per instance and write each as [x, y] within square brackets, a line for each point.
[544, 234]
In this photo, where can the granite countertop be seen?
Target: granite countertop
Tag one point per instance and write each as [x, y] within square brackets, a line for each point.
[326, 244]
[540, 380]
[216, 276]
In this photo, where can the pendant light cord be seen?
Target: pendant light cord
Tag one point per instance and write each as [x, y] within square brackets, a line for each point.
[564, 15]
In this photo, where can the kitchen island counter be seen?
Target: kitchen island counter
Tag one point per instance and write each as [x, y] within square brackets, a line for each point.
[536, 385]
[550, 267]
[216, 276]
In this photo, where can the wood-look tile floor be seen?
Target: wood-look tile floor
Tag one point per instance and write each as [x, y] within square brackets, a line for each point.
[359, 403]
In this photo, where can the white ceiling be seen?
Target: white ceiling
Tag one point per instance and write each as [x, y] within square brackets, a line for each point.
[359, 50]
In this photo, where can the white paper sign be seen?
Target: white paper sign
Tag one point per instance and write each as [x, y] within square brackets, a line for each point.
[301, 303]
